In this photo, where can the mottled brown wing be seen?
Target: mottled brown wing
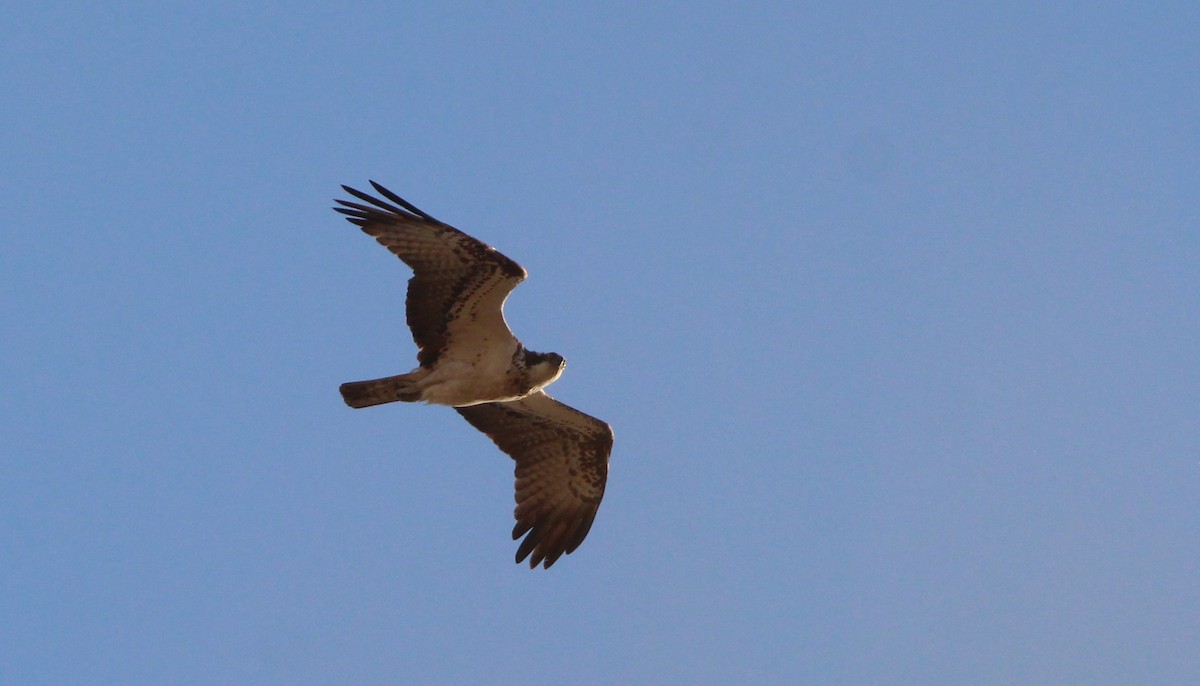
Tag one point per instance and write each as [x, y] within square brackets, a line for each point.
[562, 465]
[457, 280]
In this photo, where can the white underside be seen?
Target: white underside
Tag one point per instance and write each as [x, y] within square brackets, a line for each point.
[462, 381]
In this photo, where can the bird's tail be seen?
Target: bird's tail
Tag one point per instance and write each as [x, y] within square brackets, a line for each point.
[358, 394]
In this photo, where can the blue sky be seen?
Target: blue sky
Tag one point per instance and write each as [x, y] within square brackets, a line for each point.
[893, 309]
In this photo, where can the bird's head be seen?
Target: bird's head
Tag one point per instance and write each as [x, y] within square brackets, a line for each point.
[544, 368]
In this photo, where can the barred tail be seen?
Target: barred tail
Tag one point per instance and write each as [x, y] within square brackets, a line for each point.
[359, 394]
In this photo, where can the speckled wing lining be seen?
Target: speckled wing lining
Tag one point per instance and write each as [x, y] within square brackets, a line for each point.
[455, 277]
[562, 466]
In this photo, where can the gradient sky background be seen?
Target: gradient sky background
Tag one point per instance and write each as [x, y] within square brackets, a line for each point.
[893, 309]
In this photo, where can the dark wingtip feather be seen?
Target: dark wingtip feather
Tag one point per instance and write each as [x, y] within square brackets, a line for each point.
[545, 548]
[520, 529]
[405, 209]
[354, 216]
[401, 201]
[366, 197]
[526, 548]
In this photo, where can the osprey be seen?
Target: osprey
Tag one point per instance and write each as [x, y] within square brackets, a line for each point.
[470, 360]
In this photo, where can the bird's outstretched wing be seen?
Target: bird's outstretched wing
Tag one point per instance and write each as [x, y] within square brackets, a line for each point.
[562, 465]
[457, 281]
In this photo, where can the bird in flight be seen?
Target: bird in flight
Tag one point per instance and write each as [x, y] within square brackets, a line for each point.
[469, 359]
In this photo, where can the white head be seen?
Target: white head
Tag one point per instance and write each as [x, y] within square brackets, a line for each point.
[544, 368]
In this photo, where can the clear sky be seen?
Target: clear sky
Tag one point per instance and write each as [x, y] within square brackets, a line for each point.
[893, 309]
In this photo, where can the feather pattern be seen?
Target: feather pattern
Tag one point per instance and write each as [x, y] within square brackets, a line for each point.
[562, 466]
[457, 280]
